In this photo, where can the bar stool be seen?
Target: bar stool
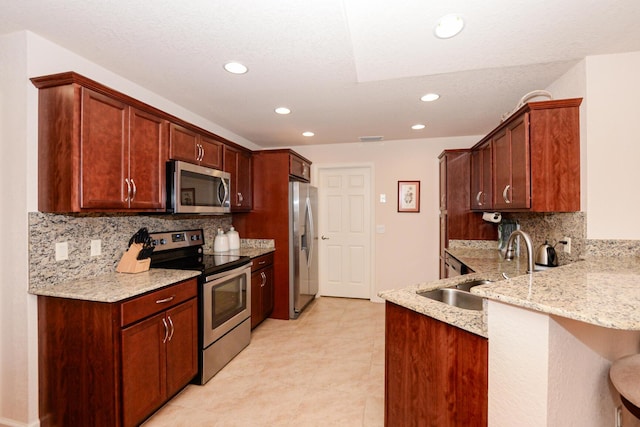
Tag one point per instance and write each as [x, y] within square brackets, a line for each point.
[625, 376]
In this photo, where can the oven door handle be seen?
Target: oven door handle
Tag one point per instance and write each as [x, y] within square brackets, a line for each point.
[228, 273]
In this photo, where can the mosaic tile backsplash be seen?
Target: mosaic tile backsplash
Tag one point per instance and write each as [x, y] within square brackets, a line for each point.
[114, 231]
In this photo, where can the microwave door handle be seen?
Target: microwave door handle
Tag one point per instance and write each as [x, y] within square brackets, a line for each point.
[226, 192]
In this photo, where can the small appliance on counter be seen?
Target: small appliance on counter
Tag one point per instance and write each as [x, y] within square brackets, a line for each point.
[546, 255]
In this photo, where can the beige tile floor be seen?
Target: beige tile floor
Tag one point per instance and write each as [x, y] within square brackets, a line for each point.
[324, 369]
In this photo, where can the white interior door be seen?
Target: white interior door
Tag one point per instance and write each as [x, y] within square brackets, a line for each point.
[345, 231]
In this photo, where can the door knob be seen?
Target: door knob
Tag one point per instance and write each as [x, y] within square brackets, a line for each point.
[324, 238]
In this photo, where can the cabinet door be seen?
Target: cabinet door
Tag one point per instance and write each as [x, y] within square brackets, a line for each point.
[104, 146]
[183, 144]
[182, 345]
[256, 298]
[299, 168]
[502, 170]
[211, 153]
[476, 179]
[267, 292]
[443, 182]
[147, 160]
[143, 368]
[481, 183]
[520, 164]
[487, 174]
[238, 164]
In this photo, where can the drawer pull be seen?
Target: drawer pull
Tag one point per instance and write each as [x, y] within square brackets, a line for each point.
[262, 262]
[168, 299]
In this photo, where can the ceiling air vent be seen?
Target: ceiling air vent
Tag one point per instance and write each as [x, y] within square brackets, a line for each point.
[371, 138]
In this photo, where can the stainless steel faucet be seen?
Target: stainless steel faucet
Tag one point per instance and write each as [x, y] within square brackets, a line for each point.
[527, 240]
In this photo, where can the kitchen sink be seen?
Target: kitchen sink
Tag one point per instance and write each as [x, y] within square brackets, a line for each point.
[466, 286]
[454, 297]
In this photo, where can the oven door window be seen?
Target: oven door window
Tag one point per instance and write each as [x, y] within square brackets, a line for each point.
[227, 300]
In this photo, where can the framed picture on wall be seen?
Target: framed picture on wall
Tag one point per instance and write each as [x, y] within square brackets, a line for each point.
[188, 196]
[408, 196]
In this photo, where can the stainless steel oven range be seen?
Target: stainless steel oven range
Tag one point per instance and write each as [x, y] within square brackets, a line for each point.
[224, 295]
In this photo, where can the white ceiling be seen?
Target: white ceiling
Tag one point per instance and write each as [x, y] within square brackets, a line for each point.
[346, 68]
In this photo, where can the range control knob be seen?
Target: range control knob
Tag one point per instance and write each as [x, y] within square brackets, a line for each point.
[163, 241]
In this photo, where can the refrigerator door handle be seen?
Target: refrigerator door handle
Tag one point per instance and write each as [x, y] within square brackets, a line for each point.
[309, 231]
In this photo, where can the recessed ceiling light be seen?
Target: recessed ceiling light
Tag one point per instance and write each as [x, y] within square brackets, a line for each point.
[307, 133]
[430, 97]
[418, 127]
[235, 68]
[448, 26]
[283, 110]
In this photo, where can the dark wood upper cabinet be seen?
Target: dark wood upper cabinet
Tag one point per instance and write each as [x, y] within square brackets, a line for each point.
[100, 150]
[193, 147]
[481, 178]
[239, 164]
[97, 152]
[535, 161]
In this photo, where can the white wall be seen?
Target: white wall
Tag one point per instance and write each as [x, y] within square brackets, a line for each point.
[18, 344]
[613, 127]
[407, 252]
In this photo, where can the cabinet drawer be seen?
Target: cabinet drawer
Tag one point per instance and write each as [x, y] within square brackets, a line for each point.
[299, 167]
[262, 262]
[146, 305]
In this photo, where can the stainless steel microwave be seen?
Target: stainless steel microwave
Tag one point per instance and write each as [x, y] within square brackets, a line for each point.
[197, 189]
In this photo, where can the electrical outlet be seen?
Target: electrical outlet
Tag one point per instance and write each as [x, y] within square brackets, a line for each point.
[62, 251]
[96, 247]
[383, 198]
[567, 246]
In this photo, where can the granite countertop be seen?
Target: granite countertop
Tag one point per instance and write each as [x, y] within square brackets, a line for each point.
[114, 287]
[600, 291]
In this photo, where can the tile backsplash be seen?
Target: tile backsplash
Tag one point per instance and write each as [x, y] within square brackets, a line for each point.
[114, 231]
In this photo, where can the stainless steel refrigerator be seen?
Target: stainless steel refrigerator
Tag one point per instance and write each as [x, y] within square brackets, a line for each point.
[303, 246]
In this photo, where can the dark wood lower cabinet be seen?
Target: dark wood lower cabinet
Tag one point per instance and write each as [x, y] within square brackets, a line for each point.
[435, 374]
[113, 364]
[261, 289]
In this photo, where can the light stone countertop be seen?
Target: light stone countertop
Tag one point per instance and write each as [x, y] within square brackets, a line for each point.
[114, 287]
[600, 291]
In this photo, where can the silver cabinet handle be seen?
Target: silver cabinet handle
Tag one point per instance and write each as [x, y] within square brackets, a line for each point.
[128, 190]
[324, 238]
[239, 199]
[202, 151]
[505, 192]
[198, 153]
[478, 198]
[168, 299]
[172, 328]
[135, 189]
[166, 331]
[264, 279]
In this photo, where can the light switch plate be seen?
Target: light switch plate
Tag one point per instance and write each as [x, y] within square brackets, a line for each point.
[96, 247]
[62, 251]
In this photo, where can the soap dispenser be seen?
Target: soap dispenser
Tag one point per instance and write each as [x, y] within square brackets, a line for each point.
[221, 242]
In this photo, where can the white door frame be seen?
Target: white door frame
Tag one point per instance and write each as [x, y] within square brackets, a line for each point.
[315, 173]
